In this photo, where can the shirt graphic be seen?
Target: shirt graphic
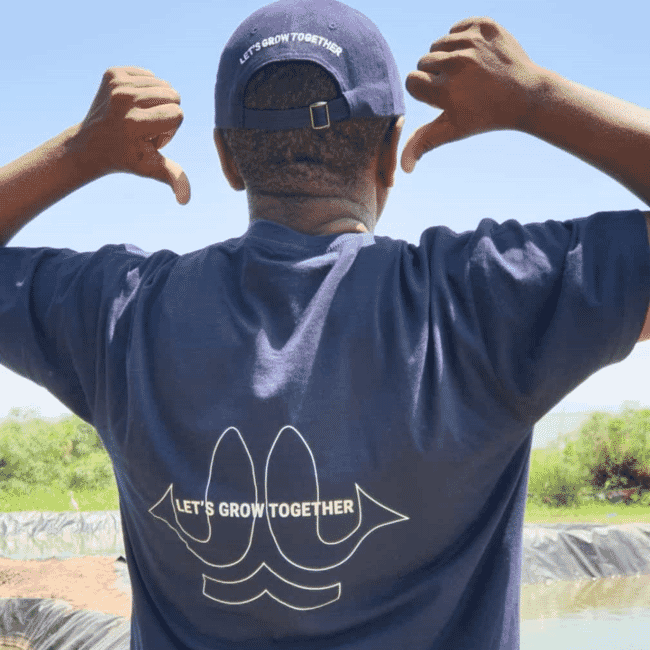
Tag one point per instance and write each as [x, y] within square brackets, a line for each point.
[293, 523]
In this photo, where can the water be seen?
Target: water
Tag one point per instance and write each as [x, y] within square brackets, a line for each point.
[603, 614]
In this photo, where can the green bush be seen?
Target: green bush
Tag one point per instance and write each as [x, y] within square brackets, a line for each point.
[552, 480]
[614, 451]
[610, 452]
[67, 454]
[90, 472]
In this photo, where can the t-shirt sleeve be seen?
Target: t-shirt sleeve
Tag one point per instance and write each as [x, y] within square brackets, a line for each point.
[530, 311]
[59, 310]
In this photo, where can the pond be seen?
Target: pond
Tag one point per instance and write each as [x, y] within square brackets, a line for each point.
[600, 614]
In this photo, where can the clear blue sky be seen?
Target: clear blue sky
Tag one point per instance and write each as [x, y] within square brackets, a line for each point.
[54, 54]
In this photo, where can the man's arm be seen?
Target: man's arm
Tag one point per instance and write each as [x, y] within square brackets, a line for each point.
[483, 81]
[609, 133]
[133, 115]
[39, 179]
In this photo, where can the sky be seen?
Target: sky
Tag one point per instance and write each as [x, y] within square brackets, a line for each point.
[54, 54]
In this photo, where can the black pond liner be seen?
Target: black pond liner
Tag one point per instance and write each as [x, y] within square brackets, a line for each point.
[550, 552]
[39, 624]
[43, 624]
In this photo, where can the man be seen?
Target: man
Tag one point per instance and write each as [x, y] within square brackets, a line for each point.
[321, 437]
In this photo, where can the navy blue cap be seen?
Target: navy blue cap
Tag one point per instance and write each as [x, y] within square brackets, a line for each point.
[338, 38]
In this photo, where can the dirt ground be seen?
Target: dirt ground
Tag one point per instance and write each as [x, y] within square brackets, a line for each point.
[84, 582]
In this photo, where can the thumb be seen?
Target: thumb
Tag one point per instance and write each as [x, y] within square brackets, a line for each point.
[163, 169]
[427, 137]
[177, 179]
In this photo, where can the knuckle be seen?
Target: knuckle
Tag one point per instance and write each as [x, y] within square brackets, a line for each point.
[111, 73]
[130, 116]
[118, 93]
[114, 84]
[461, 24]
[443, 42]
[425, 62]
[425, 144]
[489, 28]
[474, 22]
[172, 95]
[469, 56]
[464, 24]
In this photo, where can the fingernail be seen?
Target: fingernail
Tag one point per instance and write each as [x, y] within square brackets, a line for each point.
[408, 164]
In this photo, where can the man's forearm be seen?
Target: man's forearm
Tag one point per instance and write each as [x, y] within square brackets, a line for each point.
[609, 133]
[40, 178]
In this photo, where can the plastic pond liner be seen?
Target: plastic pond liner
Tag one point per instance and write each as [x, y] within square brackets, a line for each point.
[551, 553]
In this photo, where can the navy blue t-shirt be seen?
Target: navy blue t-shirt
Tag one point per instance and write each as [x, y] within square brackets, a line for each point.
[323, 442]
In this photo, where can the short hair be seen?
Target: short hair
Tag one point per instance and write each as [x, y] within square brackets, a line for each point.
[329, 158]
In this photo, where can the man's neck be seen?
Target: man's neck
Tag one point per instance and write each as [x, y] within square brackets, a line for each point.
[312, 215]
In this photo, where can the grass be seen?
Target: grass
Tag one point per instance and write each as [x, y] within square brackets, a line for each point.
[41, 499]
[598, 512]
[52, 500]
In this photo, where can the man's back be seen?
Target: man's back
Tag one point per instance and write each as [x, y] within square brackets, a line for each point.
[328, 437]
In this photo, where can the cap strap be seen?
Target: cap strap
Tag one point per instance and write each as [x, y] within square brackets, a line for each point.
[318, 115]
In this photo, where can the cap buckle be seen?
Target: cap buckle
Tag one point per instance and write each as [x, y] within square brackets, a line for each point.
[319, 113]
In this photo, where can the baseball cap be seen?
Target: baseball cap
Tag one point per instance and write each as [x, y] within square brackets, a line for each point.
[326, 32]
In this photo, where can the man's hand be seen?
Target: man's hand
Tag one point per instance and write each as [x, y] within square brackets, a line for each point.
[133, 115]
[479, 76]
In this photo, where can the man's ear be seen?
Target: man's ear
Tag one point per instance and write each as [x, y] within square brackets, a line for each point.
[228, 164]
[387, 159]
